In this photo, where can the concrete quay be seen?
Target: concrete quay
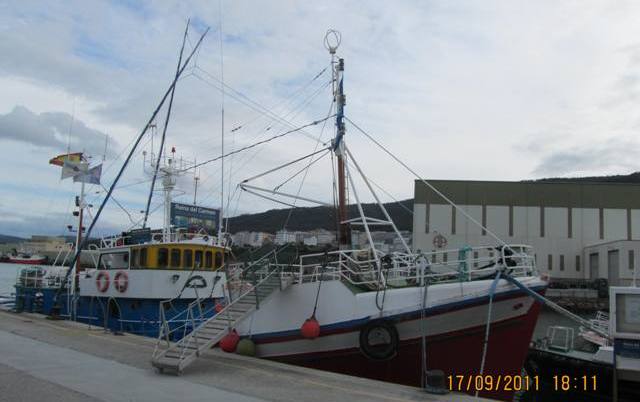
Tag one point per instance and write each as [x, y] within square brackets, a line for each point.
[68, 361]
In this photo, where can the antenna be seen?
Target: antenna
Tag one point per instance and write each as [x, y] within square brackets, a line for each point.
[106, 143]
[73, 114]
[332, 40]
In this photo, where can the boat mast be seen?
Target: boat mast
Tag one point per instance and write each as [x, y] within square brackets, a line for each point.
[221, 218]
[79, 231]
[332, 41]
[168, 183]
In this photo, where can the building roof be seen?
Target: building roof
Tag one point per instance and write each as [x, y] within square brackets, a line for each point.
[524, 193]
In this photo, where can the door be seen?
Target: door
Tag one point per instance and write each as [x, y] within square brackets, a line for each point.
[594, 266]
[613, 266]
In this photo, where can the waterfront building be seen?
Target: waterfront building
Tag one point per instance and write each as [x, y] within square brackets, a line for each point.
[580, 231]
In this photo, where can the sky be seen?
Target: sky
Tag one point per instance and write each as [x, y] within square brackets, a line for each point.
[470, 90]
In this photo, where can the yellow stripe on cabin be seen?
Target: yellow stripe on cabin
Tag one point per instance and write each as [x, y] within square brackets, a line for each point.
[177, 256]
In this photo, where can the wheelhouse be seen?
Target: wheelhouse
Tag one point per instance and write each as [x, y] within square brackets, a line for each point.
[174, 256]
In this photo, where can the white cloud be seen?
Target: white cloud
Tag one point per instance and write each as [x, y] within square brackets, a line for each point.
[459, 90]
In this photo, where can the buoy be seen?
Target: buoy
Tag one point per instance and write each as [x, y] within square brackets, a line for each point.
[219, 307]
[230, 341]
[246, 347]
[311, 328]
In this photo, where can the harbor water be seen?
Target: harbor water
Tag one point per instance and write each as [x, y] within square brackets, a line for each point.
[8, 274]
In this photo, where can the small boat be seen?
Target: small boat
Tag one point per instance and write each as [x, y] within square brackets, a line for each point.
[25, 258]
[585, 368]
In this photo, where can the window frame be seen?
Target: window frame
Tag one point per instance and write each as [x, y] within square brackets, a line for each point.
[163, 257]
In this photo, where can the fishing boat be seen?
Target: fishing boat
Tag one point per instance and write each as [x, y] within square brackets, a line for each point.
[403, 316]
[392, 316]
[27, 258]
[139, 274]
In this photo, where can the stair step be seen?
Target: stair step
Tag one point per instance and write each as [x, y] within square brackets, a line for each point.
[217, 325]
[190, 346]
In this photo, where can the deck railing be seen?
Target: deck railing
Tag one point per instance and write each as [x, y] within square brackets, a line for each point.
[363, 268]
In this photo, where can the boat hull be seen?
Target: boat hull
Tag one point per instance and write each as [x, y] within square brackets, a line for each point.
[455, 353]
[138, 316]
[455, 333]
[28, 261]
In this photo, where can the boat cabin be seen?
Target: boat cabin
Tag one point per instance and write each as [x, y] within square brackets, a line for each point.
[174, 256]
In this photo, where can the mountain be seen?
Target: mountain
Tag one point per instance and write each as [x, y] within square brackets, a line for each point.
[305, 219]
[10, 239]
[620, 178]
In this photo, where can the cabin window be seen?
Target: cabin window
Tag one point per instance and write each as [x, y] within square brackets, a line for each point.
[143, 257]
[188, 259]
[134, 258]
[218, 260]
[114, 260]
[208, 259]
[175, 258]
[163, 257]
[198, 259]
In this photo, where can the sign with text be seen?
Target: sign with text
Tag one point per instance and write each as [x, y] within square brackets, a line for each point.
[195, 218]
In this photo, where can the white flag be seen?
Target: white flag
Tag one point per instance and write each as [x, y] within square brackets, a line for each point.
[72, 169]
[92, 176]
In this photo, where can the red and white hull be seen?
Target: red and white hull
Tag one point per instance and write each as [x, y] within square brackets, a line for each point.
[33, 260]
[454, 324]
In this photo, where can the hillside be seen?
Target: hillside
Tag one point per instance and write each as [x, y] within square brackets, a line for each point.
[10, 239]
[305, 219]
[318, 218]
[633, 178]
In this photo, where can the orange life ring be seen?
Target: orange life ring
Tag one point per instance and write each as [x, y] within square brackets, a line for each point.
[121, 281]
[102, 281]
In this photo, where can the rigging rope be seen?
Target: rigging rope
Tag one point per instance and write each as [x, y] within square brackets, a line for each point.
[485, 345]
[313, 123]
[117, 178]
[426, 183]
[164, 129]
[306, 170]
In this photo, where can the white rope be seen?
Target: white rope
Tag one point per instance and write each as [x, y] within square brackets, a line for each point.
[487, 329]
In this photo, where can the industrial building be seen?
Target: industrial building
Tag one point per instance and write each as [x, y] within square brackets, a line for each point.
[580, 230]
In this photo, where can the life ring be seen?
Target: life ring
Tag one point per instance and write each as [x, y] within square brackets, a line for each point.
[379, 340]
[121, 281]
[102, 281]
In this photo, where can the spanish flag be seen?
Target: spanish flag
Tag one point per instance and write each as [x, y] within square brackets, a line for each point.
[61, 159]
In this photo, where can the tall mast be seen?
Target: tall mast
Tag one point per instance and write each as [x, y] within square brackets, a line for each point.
[332, 41]
[221, 220]
[79, 231]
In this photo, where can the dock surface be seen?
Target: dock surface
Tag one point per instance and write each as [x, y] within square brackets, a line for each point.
[67, 361]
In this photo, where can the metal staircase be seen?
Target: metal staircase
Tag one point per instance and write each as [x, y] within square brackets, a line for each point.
[200, 333]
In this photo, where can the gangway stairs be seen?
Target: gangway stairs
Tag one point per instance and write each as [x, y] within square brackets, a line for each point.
[206, 333]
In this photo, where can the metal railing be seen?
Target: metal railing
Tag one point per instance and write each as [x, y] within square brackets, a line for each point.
[181, 326]
[375, 271]
[174, 236]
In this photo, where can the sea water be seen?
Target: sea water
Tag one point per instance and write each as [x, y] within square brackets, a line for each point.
[8, 275]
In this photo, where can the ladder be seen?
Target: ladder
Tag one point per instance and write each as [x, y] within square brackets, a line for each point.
[207, 333]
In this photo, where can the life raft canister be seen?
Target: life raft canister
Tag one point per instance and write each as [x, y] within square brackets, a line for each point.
[102, 281]
[121, 281]
[379, 340]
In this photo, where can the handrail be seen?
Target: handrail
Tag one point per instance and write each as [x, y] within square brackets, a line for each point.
[165, 328]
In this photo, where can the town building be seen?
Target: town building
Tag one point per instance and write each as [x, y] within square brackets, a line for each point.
[253, 239]
[579, 230]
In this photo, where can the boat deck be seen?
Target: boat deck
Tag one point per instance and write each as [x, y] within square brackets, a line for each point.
[68, 361]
